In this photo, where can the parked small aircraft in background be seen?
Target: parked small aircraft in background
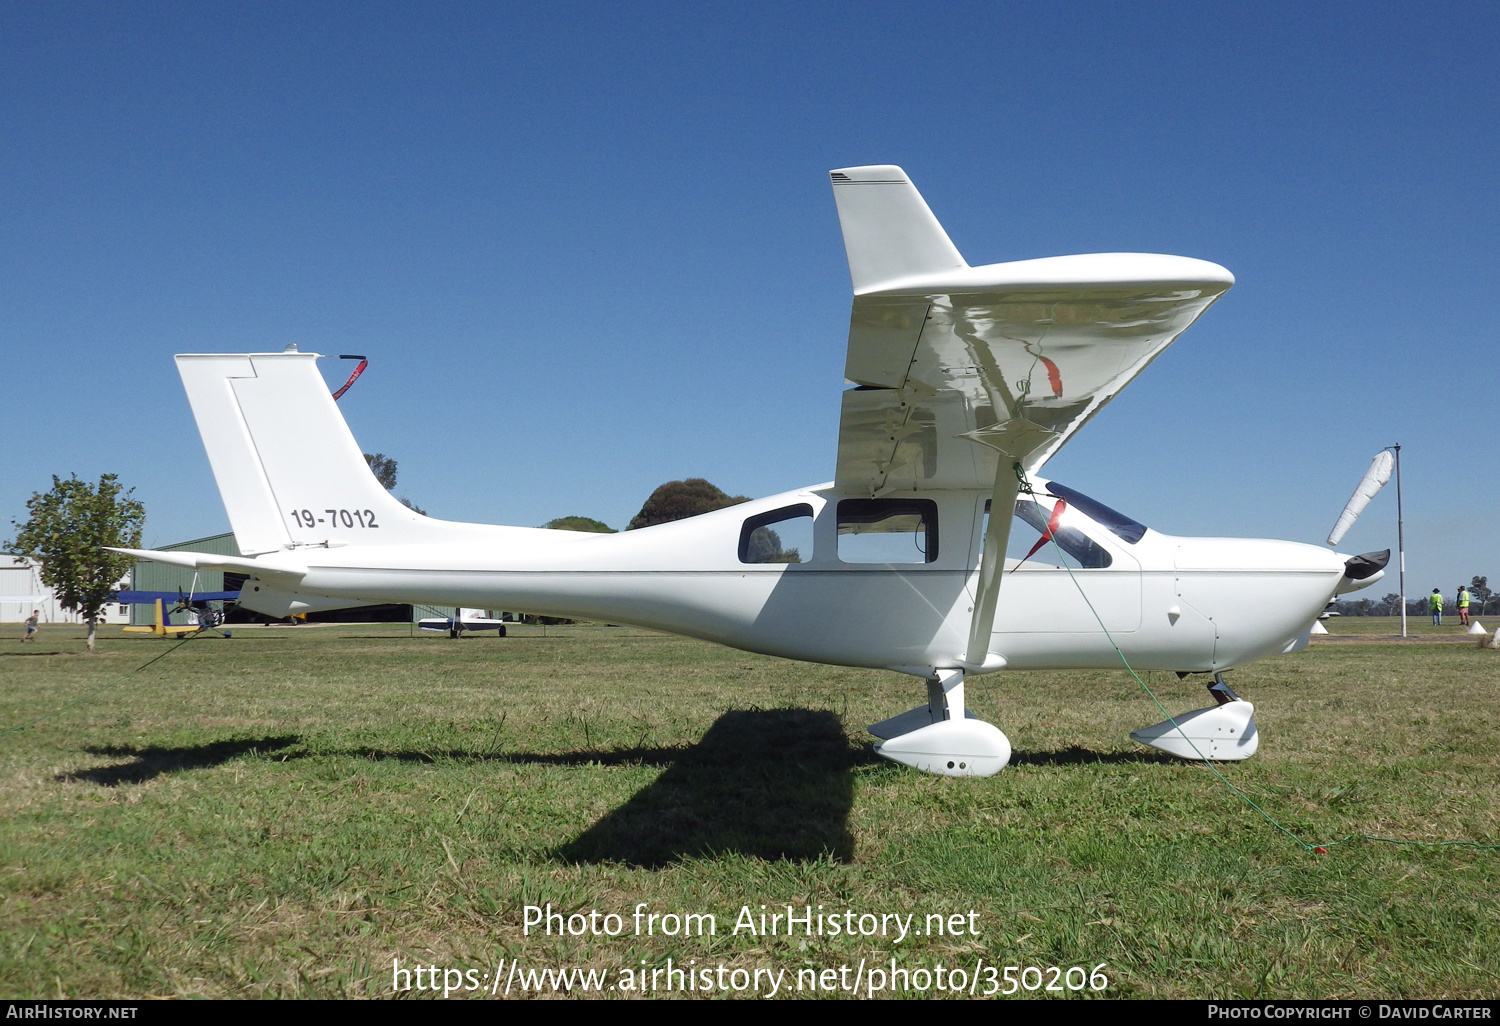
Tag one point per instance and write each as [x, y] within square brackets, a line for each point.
[966, 381]
[463, 620]
[204, 616]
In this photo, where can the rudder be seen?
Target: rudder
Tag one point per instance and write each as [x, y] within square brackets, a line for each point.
[288, 469]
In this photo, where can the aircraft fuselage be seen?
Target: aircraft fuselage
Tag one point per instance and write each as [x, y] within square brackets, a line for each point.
[1186, 604]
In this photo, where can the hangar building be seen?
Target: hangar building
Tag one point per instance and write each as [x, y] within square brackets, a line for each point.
[22, 590]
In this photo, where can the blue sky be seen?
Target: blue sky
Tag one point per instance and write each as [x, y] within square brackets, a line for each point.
[590, 248]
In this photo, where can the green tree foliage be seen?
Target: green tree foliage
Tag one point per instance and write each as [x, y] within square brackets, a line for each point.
[384, 469]
[586, 524]
[765, 547]
[67, 532]
[678, 500]
[1479, 589]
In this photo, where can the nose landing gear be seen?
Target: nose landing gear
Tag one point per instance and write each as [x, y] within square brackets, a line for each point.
[1224, 732]
[942, 737]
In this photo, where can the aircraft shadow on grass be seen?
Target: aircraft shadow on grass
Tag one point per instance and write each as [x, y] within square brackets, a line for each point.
[774, 784]
[769, 783]
[153, 761]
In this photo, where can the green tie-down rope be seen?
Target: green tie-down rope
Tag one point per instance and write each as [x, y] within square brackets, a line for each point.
[91, 694]
[1321, 849]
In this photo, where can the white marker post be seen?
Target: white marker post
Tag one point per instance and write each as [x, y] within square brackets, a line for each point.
[1400, 537]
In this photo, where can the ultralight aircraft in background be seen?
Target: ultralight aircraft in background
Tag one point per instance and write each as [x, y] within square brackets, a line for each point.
[198, 606]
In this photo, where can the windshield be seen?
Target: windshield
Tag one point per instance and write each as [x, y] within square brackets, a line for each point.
[1119, 524]
[1076, 548]
[1071, 540]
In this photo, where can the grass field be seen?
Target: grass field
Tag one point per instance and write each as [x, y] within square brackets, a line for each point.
[287, 812]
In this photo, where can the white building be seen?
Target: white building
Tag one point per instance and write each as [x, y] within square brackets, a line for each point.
[22, 590]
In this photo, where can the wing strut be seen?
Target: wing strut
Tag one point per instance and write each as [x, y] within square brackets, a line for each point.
[992, 563]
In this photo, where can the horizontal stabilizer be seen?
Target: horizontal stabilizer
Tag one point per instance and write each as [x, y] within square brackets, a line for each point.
[215, 561]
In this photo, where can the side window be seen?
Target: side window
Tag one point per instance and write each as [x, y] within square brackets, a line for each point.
[781, 536]
[888, 531]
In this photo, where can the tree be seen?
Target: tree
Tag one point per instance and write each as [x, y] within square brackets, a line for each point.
[586, 524]
[67, 533]
[764, 546]
[384, 469]
[1480, 588]
[678, 500]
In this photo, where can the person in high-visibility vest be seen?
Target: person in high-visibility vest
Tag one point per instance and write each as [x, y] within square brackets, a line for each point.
[1463, 605]
[1437, 607]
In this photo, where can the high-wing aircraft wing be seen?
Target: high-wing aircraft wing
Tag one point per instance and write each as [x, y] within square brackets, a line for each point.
[959, 368]
[967, 376]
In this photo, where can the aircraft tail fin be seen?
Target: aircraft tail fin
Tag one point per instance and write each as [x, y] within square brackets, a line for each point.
[889, 231]
[287, 467]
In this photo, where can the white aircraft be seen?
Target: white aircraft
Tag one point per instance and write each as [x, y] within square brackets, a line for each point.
[463, 620]
[967, 380]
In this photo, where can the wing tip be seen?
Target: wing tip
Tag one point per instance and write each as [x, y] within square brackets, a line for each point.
[869, 174]
[1157, 270]
[889, 233]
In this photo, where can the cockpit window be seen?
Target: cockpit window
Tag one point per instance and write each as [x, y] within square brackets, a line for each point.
[781, 536]
[887, 531]
[1119, 524]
